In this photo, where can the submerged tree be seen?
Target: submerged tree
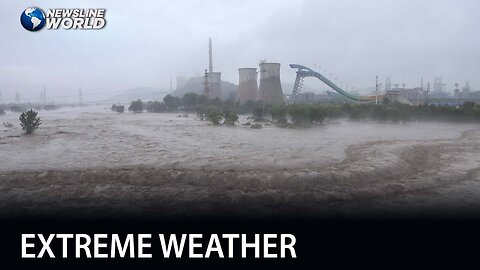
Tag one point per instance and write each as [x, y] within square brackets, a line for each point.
[118, 108]
[215, 116]
[300, 114]
[279, 113]
[201, 111]
[230, 118]
[258, 114]
[136, 106]
[172, 102]
[29, 121]
[190, 99]
[156, 107]
[317, 115]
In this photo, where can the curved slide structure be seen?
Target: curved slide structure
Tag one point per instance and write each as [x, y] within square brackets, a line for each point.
[304, 72]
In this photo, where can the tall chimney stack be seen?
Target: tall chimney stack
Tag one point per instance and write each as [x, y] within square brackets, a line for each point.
[210, 56]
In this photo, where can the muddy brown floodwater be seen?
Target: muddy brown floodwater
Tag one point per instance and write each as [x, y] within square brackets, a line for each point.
[90, 161]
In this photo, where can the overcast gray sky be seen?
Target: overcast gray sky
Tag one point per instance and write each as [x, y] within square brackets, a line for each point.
[146, 41]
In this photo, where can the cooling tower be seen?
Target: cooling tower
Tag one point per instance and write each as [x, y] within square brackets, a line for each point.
[270, 91]
[215, 85]
[247, 86]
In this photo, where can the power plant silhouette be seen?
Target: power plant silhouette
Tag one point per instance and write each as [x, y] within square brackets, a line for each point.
[214, 79]
[247, 85]
[270, 90]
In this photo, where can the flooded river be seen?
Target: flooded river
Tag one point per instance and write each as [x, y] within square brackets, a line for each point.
[90, 160]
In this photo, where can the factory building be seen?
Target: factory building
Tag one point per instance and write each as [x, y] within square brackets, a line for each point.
[414, 95]
[214, 79]
[270, 90]
[247, 86]
[214, 85]
[311, 97]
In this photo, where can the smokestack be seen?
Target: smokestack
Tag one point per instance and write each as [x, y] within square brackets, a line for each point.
[210, 56]
[270, 91]
[247, 86]
[214, 85]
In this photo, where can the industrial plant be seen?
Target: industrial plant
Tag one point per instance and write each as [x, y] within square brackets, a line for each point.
[264, 84]
[213, 85]
[270, 90]
[267, 90]
[247, 85]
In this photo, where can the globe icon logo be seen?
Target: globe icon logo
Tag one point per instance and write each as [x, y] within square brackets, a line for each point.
[33, 19]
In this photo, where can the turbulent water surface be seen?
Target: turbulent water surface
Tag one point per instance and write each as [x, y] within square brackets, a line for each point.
[90, 160]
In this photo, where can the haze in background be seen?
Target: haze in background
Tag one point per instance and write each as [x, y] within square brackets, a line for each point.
[147, 42]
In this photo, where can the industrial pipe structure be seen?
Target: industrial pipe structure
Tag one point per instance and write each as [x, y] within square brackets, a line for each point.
[304, 72]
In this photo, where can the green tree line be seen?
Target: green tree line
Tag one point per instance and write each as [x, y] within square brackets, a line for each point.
[310, 114]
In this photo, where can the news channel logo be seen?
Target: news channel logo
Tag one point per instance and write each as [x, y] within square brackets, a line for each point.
[33, 19]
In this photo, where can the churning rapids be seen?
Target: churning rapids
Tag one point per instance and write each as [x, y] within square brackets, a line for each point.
[91, 161]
